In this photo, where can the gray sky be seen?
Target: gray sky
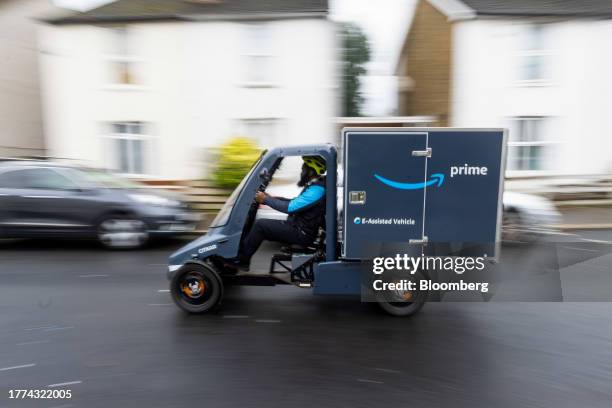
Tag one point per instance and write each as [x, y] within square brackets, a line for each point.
[384, 22]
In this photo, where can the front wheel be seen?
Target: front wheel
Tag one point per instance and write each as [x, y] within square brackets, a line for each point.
[196, 288]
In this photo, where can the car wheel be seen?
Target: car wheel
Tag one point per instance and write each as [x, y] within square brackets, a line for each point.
[402, 303]
[122, 232]
[196, 288]
[513, 228]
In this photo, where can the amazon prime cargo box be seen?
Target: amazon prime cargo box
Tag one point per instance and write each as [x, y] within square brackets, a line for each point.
[422, 189]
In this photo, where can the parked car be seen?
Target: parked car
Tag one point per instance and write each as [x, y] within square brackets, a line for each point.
[525, 217]
[47, 199]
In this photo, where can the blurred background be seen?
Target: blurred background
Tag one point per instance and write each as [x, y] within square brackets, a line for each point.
[155, 91]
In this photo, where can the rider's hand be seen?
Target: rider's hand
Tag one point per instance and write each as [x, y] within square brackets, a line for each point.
[260, 197]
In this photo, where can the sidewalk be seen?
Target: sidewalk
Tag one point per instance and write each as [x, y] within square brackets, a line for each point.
[585, 218]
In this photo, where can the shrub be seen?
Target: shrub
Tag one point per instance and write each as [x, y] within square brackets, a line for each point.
[234, 160]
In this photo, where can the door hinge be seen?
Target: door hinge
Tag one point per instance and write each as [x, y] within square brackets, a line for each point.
[422, 153]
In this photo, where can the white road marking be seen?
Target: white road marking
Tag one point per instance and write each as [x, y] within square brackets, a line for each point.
[369, 381]
[59, 328]
[64, 383]
[32, 342]
[164, 290]
[596, 241]
[388, 370]
[93, 276]
[16, 367]
[567, 234]
[159, 304]
[37, 328]
[235, 317]
[63, 406]
[580, 249]
[268, 321]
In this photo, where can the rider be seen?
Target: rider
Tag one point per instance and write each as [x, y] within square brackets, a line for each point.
[306, 213]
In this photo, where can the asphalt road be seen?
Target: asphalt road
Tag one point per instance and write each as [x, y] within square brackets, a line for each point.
[103, 324]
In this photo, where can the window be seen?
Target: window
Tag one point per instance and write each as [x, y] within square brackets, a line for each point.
[122, 62]
[36, 178]
[41, 178]
[527, 146]
[122, 73]
[120, 41]
[129, 144]
[533, 55]
[11, 179]
[263, 131]
[258, 55]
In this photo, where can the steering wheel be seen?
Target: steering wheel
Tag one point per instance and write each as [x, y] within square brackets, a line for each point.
[265, 177]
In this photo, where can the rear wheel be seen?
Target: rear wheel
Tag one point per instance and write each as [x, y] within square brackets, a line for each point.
[196, 288]
[122, 232]
[402, 302]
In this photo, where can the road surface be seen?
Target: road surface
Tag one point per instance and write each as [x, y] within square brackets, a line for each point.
[102, 324]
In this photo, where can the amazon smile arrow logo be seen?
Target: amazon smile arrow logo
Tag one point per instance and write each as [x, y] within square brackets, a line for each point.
[437, 178]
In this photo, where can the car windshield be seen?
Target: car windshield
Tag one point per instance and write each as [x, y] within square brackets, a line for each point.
[99, 178]
[223, 216]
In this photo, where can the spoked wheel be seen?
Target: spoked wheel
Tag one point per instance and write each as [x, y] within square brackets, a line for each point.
[196, 288]
[402, 302]
[122, 232]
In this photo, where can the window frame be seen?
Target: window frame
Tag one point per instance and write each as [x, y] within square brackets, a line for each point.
[267, 140]
[527, 140]
[122, 53]
[146, 143]
[530, 51]
[258, 50]
[24, 186]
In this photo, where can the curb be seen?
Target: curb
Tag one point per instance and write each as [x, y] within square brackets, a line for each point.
[579, 227]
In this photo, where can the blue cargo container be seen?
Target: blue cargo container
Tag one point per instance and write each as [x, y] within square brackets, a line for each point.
[413, 186]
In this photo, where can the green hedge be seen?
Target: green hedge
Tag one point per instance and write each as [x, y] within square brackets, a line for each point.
[234, 160]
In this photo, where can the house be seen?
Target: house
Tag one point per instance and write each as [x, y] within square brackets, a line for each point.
[21, 125]
[151, 88]
[540, 68]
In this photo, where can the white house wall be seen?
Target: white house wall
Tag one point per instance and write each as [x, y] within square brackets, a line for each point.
[576, 97]
[21, 125]
[192, 90]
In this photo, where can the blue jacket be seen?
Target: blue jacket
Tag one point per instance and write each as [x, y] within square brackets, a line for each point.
[307, 210]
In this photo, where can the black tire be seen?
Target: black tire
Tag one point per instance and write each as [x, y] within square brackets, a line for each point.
[122, 231]
[402, 304]
[196, 288]
[401, 309]
[514, 229]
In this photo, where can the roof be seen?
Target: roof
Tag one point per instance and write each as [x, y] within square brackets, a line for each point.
[158, 10]
[541, 7]
[458, 9]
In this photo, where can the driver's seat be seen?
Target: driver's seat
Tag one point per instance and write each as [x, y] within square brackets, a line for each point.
[317, 244]
[298, 260]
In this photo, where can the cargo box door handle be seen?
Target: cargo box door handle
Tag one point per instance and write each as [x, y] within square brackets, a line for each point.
[422, 153]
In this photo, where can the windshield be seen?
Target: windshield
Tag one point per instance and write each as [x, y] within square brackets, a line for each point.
[223, 216]
[98, 178]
